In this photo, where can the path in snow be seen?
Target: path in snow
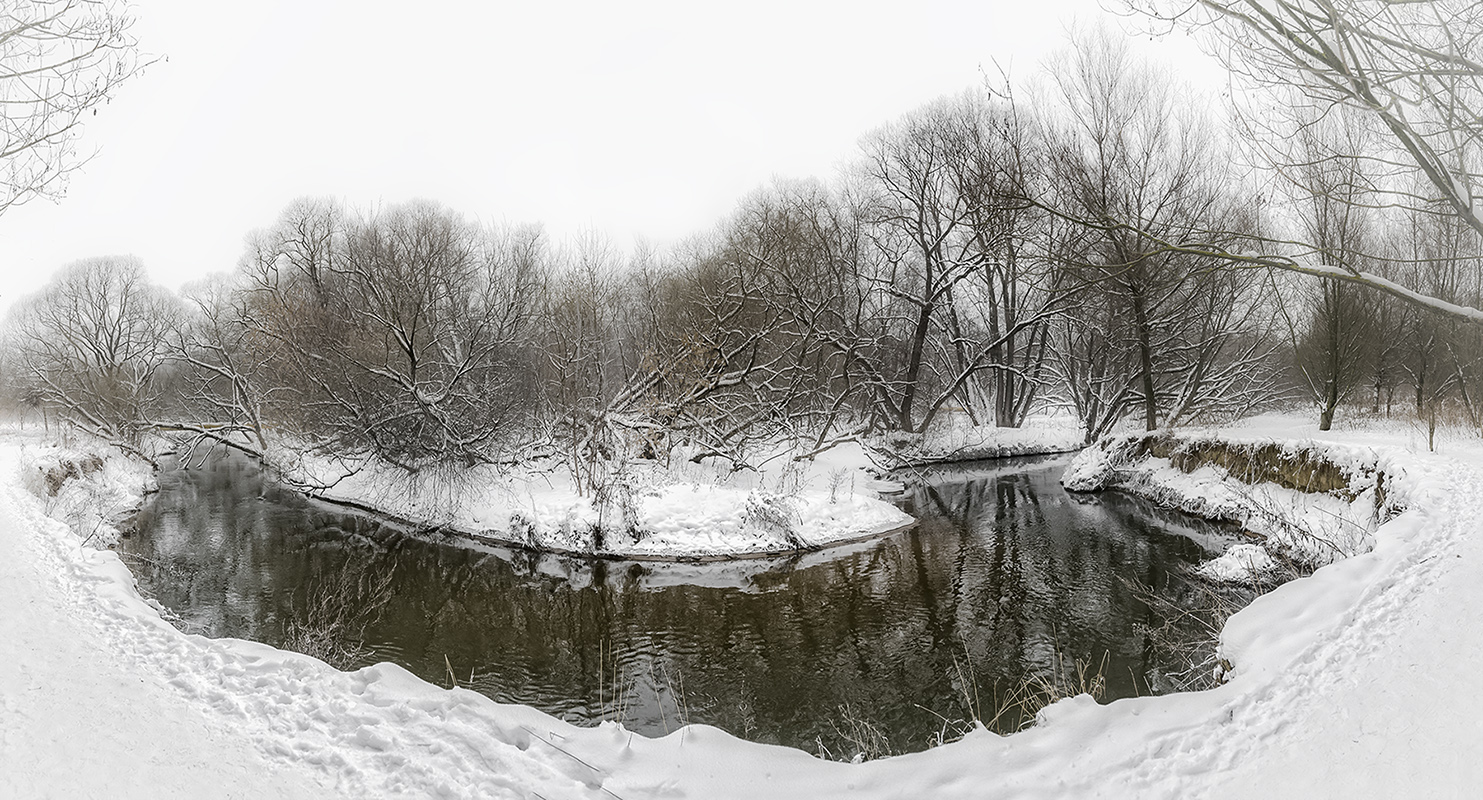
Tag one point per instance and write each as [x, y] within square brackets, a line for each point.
[1387, 703]
[77, 720]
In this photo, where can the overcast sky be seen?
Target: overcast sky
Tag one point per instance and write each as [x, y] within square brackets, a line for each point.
[635, 119]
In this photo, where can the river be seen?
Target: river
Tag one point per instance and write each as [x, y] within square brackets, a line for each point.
[884, 646]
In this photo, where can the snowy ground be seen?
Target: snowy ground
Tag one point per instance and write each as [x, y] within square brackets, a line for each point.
[955, 438]
[1354, 682]
[679, 511]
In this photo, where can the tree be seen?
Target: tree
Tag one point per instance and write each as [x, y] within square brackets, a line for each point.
[93, 345]
[808, 247]
[962, 292]
[1159, 331]
[1409, 71]
[224, 364]
[1439, 353]
[918, 216]
[59, 60]
[1335, 201]
[1019, 289]
[586, 358]
[701, 351]
[403, 335]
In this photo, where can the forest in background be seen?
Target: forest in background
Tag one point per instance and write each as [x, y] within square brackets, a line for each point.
[1073, 245]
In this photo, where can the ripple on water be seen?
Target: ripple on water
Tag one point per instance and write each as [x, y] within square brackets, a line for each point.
[1006, 576]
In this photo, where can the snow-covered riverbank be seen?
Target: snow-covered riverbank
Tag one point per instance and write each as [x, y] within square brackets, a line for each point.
[1349, 683]
[681, 511]
[956, 439]
[676, 511]
[1311, 502]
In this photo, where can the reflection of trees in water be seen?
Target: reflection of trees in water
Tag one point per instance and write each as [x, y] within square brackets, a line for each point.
[329, 611]
[1004, 574]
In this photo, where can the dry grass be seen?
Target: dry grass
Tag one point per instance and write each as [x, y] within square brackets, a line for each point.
[1304, 469]
[1188, 637]
[774, 514]
[1018, 706]
[863, 739]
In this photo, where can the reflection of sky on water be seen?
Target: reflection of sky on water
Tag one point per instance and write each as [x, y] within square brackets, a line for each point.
[1007, 576]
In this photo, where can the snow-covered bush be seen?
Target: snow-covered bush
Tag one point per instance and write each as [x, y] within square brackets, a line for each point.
[775, 514]
[94, 490]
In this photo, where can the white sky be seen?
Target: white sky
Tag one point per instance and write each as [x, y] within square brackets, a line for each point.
[641, 118]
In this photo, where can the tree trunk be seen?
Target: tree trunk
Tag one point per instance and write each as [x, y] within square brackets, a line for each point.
[1145, 358]
[914, 367]
[1331, 390]
[1331, 402]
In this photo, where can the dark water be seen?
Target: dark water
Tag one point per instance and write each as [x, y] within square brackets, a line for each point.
[883, 645]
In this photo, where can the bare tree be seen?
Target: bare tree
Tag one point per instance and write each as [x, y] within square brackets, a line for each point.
[1334, 206]
[1015, 295]
[93, 346]
[1438, 353]
[919, 218]
[693, 352]
[1410, 72]
[1159, 330]
[951, 232]
[224, 360]
[403, 335]
[585, 360]
[806, 252]
[59, 60]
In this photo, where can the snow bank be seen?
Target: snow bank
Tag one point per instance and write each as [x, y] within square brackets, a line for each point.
[678, 511]
[684, 511]
[89, 486]
[955, 438]
[1241, 563]
[1316, 502]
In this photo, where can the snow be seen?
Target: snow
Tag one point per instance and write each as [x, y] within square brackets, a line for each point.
[680, 510]
[94, 493]
[1241, 563]
[1351, 682]
[683, 511]
[955, 438]
[99, 697]
[1312, 528]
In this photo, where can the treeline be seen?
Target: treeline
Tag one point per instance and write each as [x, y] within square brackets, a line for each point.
[987, 256]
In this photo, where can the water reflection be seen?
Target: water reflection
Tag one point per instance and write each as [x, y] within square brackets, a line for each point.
[1006, 577]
